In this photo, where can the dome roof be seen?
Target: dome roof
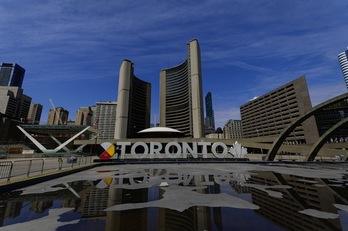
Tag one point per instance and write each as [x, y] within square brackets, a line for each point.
[160, 129]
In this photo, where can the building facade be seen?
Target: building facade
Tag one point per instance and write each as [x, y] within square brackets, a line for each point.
[84, 116]
[209, 112]
[269, 114]
[11, 75]
[343, 60]
[105, 119]
[14, 103]
[58, 116]
[134, 103]
[35, 112]
[233, 129]
[181, 100]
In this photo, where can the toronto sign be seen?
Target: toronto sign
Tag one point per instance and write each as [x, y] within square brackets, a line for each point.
[140, 150]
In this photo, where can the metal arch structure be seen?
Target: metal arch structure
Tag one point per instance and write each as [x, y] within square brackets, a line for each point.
[58, 129]
[321, 141]
[285, 133]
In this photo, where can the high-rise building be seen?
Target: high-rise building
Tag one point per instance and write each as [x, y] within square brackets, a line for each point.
[14, 103]
[270, 114]
[11, 74]
[233, 129]
[181, 100]
[34, 115]
[343, 59]
[133, 104]
[105, 119]
[209, 112]
[84, 116]
[58, 116]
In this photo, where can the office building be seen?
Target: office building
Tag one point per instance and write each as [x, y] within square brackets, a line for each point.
[11, 75]
[34, 114]
[269, 114]
[105, 119]
[134, 103]
[343, 60]
[58, 116]
[14, 109]
[209, 112]
[14, 103]
[181, 100]
[233, 129]
[84, 116]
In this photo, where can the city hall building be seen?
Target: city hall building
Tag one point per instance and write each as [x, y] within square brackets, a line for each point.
[134, 103]
[181, 98]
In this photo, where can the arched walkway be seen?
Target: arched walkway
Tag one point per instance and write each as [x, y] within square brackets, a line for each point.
[322, 140]
[279, 141]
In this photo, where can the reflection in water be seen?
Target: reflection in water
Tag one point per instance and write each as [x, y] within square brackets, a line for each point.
[304, 194]
[184, 197]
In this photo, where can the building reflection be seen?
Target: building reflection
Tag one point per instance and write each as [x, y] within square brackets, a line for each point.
[305, 193]
[91, 198]
[193, 218]
[130, 219]
[12, 209]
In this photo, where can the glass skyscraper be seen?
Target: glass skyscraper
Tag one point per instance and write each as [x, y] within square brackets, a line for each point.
[343, 59]
[209, 119]
[11, 75]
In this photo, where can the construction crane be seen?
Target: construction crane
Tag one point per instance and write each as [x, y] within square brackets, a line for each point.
[54, 108]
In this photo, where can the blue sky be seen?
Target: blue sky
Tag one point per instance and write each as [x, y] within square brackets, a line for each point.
[72, 49]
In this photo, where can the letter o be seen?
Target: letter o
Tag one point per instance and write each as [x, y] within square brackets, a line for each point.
[214, 147]
[139, 156]
[178, 147]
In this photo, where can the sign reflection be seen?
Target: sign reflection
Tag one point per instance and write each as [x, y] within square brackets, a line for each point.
[169, 199]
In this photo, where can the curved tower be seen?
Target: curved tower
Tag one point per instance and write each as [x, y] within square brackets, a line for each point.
[133, 105]
[181, 101]
[343, 59]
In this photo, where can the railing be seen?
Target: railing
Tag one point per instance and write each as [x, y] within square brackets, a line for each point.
[33, 167]
[5, 170]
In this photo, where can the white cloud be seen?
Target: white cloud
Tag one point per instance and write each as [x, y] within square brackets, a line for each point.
[260, 45]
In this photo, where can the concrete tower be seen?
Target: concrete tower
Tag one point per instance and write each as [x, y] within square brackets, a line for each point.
[134, 102]
[181, 100]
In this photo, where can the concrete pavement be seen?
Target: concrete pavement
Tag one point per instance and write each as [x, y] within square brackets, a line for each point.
[23, 169]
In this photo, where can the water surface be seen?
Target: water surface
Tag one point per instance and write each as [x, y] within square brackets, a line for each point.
[184, 197]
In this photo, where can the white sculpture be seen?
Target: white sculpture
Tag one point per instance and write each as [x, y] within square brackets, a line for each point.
[237, 151]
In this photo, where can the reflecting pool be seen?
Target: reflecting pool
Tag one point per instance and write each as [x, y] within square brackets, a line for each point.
[184, 197]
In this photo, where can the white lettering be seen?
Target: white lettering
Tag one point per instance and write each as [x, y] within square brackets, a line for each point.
[139, 156]
[172, 149]
[155, 149]
[170, 152]
[215, 153]
[186, 149]
[123, 148]
[204, 148]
